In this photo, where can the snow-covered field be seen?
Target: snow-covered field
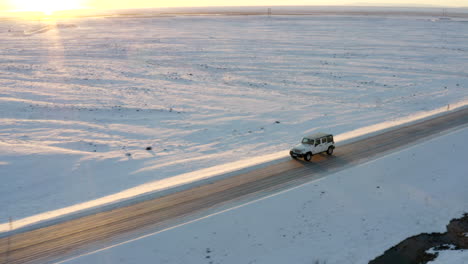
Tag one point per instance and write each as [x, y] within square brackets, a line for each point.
[348, 217]
[82, 99]
[452, 257]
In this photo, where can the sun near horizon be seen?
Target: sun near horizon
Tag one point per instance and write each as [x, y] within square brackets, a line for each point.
[47, 7]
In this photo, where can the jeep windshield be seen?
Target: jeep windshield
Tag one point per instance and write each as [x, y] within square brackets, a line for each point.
[307, 141]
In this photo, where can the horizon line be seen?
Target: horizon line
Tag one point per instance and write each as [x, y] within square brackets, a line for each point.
[89, 11]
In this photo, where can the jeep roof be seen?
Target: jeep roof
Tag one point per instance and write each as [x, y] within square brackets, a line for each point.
[317, 135]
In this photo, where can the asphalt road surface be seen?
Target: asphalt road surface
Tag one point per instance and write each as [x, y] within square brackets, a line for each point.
[74, 237]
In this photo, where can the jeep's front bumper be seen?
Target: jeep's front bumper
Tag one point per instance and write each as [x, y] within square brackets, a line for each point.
[296, 155]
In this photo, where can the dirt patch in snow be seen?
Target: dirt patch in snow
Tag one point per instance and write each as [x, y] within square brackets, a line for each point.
[424, 247]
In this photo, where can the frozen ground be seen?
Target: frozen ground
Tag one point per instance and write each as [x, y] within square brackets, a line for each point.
[82, 99]
[350, 217]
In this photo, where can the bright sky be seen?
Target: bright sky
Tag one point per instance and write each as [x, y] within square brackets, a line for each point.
[48, 6]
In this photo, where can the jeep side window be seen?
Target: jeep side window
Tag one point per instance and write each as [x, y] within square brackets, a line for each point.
[324, 140]
[330, 139]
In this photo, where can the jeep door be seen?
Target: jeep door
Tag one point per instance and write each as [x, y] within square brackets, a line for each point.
[323, 144]
[317, 146]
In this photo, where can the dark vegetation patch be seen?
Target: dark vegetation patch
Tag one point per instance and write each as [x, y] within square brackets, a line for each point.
[413, 250]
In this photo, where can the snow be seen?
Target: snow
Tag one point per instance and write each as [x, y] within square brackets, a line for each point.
[451, 257]
[82, 99]
[351, 216]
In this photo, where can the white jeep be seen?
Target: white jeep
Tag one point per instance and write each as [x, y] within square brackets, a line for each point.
[313, 144]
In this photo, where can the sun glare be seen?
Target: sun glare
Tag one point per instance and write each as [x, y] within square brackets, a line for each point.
[48, 7]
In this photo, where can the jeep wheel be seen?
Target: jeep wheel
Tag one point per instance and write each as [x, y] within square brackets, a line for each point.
[330, 151]
[308, 156]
